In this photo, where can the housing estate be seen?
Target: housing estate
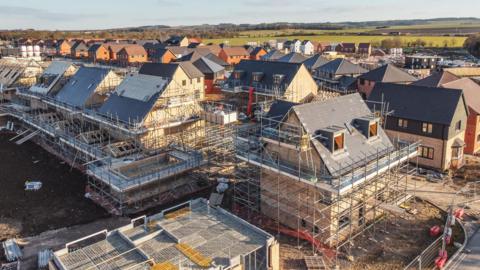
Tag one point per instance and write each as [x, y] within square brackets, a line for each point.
[436, 117]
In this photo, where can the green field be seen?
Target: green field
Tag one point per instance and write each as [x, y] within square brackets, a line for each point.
[275, 33]
[432, 41]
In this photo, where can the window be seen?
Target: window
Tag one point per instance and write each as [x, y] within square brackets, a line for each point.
[373, 130]
[425, 152]
[457, 152]
[427, 128]
[478, 138]
[458, 125]
[184, 82]
[199, 80]
[343, 222]
[402, 123]
[304, 223]
[338, 142]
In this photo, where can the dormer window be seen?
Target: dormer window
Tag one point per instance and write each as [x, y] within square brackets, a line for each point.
[237, 74]
[339, 142]
[368, 126]
[373, 130]
[277, 78]
[257, 76]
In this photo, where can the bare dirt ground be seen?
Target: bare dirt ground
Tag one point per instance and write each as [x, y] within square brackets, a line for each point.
[59, 203]
[395, 243]
[398, 241]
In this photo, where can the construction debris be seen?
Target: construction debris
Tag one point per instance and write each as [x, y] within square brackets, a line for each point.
[33, 185]
[44, 257]
[12, 250]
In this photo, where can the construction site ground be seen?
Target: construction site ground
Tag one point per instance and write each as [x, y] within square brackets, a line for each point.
[59, 203]
[395, 242]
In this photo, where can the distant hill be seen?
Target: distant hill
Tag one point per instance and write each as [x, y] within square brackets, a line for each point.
[435, 26]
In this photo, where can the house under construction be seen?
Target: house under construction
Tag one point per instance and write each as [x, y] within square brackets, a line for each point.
[323, 172]
[136, 137]
[192, 235]
[254, 85]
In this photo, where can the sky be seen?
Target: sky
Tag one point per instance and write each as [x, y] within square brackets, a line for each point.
[104, 14]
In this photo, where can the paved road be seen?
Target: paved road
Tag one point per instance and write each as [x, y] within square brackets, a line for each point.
[470, 261]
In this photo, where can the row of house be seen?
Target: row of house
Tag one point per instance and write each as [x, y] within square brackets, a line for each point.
[123, 54]
[308, 47]
[447, 128]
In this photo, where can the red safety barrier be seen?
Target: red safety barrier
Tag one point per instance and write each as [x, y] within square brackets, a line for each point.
[459, 213]
[250, 101]
[441, 259]
[435, 231]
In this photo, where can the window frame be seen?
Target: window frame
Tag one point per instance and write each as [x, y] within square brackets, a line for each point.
[426, 152]
[427, 128]
[337, 146]
[402, 123]
[458, 126]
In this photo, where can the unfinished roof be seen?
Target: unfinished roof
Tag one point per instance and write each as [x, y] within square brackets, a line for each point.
[315, 62]
[279, 109]
[57, 67]
[168, 70]
[471, 91]
[341, 66]
[211, 233]
[337, 114]
[206, 66]
[12, 68]
[389, 74]
[141, 87]
[268, 69]
[437, 79]
[82, 85]
[134, 97]
[421, 103]
[50, 76]
[273, 55]
[292, 58]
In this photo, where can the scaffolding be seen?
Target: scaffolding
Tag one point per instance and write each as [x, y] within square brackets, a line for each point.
[192, 235]
[325, 209]
[134, 165]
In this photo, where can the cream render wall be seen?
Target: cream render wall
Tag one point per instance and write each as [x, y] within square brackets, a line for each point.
[301, 87]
